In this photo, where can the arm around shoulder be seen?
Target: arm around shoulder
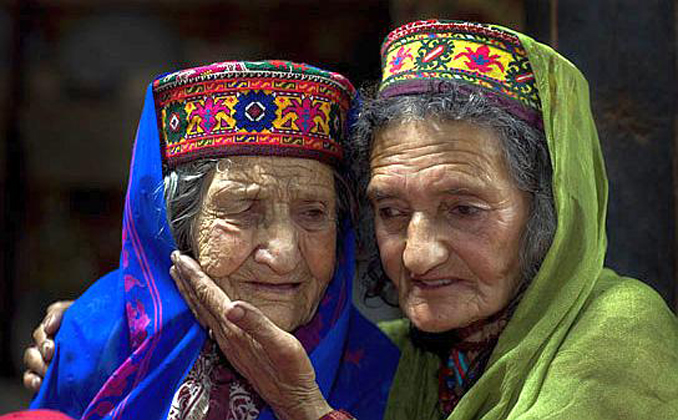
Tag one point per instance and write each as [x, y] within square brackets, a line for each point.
[90, 344]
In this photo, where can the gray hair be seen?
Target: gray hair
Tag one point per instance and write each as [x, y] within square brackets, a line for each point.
[184, 189]
[525, 151]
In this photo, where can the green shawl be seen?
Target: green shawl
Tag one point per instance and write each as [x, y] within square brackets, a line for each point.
[584, 342]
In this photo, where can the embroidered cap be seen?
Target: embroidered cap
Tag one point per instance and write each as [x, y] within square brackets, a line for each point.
[424, 56]
[252, 108]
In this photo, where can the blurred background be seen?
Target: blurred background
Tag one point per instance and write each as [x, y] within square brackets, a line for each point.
[73, 75]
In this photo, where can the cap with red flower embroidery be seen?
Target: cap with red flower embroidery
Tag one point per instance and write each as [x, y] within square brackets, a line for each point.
[425, 56]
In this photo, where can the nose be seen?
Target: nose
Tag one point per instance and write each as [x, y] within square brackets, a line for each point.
[424, 250]
[278, 246]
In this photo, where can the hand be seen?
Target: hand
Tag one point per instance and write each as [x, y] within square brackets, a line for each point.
[39, 355]
[273, 361]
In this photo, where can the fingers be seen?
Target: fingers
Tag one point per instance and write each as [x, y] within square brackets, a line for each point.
[34, 361]
[204, 288]
[47, 350]
[207, 301]
[39, 335]
[55, 313]
[204, 317]
[32, 381]
[251, 320]
[43, 342]
[185, 293]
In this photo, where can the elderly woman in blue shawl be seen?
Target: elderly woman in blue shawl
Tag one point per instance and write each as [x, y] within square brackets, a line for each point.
[255, 190]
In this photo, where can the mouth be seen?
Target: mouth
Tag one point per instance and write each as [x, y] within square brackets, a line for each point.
[434, 284]
[274, 287]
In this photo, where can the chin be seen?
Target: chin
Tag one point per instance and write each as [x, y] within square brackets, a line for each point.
[429, 319]
[285, 321]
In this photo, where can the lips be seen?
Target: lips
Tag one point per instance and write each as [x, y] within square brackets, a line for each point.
[434, 284]
[274, 287]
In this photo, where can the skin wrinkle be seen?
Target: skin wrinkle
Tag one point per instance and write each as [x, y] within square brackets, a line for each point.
[417, 169]
[270, 220]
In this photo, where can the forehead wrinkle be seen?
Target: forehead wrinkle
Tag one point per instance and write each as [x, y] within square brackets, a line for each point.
[254, 179]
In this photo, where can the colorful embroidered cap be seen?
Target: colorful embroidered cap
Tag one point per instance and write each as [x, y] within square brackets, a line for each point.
[424, 56]
[252, 108]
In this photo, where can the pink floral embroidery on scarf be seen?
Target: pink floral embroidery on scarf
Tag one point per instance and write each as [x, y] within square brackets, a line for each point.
[138, 320]
[130, 282]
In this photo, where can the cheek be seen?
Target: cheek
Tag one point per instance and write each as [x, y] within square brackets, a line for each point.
[391, 248]
[494, 259]
[319, 251]
[222, 247]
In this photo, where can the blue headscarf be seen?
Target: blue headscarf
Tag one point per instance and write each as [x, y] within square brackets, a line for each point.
[127, 343]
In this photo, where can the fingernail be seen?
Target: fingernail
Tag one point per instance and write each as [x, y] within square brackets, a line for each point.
[174, 256]
[236, 313]
[46, 347]
[48, 321]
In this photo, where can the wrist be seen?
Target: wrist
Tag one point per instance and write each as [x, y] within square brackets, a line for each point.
[314, 407]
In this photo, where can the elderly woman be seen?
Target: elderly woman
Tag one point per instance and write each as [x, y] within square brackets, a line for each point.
[489, 195]
[488, 189]
[254, 188]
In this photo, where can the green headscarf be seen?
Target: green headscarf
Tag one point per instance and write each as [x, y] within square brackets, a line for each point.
[584, 342]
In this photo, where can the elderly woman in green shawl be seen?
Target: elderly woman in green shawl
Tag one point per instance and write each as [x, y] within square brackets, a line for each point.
[489, 194]
[484, 172]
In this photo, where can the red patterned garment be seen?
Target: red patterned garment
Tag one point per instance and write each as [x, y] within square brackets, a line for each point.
[467, 358]
[337, 415]
[213, 390]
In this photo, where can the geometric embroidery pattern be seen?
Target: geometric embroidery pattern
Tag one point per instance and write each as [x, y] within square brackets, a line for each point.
[238, 107]
[478, 54]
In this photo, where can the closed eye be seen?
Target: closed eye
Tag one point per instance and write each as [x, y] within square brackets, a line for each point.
[390, 212]
[314, 217]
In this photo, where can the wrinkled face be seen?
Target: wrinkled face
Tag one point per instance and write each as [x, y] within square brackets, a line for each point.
[448, 221]
[266, 234]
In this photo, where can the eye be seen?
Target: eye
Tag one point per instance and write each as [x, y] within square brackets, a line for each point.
[314, 214]
[313, 217]
[389, 212]
[466, 210]
[242, 213]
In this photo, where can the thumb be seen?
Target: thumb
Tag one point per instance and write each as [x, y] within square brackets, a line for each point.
[251, 320]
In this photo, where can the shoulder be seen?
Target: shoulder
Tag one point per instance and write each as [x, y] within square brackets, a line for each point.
[620, 356]
[627, 302]
[623, 313]
[90, 345]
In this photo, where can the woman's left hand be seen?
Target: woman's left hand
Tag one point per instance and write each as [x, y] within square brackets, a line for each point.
[272, 360]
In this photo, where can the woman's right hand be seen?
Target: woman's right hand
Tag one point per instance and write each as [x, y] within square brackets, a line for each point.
[38, 356]
[271, 359]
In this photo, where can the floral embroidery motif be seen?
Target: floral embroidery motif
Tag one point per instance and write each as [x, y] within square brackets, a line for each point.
[481, 59]
[398, 60]
[210, 112]
[138, 320]
[130, 282]
[306, 112]
[241, 404]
